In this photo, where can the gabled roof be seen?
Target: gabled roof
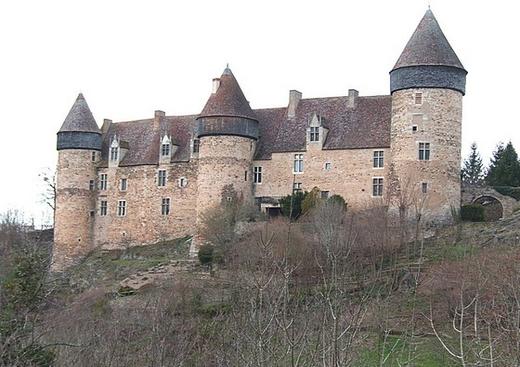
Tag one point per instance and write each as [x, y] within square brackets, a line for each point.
[80, 118]
[228, 100]
[428, 46]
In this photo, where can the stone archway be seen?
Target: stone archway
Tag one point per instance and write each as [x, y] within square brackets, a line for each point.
[493, 208]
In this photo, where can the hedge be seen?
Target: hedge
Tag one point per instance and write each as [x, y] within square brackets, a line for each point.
[472, 213]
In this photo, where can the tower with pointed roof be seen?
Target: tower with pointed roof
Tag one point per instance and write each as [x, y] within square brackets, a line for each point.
[227, 129]
[427, 85]
[79, 146]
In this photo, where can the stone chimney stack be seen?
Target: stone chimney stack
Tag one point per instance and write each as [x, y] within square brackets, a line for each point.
[353, 94]
[216, 85]
[158, 118]
[106, 126]
[294, 99]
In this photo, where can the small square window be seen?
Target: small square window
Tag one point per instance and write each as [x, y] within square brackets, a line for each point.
[324, 194]
[123, 184]
[328, 166]
[414, 128]
[183, 182]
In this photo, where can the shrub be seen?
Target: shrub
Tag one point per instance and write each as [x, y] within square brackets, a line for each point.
[206, 254]
[472, 213]
[513, 192]
[311, 200]
[338, 199]
[295, 200]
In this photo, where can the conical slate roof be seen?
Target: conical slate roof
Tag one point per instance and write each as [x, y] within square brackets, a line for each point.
[80, 118]
[428, 46]
[228, 100]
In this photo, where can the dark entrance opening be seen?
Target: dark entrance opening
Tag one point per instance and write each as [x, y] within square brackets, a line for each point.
[493, 209]
[274, 212]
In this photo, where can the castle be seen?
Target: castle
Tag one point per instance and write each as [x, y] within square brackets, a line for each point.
[140, 182]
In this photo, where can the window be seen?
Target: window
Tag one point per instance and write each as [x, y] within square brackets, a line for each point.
[414, 128]
[196, 145]
[121, 208]
[103, 208]
[324, 194]
[424, 151]
[424, 187]
[103, 181]
[165, 150]
[245, 175]
[297, 187]
[165, 206]
[91, 185]
[257, 175]
[327, 166]
[161, 177]
[378, 158]
[183, 182]
[123, 184]
[298, 163]
[114, 153]
[93, 157]
[418, 98]
[377, 186]
[315, 134]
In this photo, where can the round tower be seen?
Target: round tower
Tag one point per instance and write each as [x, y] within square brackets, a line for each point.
[427, 85]
[227, 129]
[79, 146]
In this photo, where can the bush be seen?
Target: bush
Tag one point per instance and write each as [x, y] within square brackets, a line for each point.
[510, 191]
[338, 199]
[311, 200]
[206, 254]
[295, 200]
[472, 213]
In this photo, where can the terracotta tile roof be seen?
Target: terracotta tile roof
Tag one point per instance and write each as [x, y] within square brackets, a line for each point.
[228, 100]
[428, 46]
[80, 118]
[365, 126]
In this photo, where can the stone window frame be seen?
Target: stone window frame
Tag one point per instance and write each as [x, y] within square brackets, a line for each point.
[298, 163]
[314, 134]
[415, 128]
[162, 179]
[114, 154]
[165, 149]
[378, 159]
[257, 175]
[424, 151]
[297, 187]
[92, 185]
[324, 194]
[327, 166]
[103, 208]
[121, 208]
[93, 156]
[377, 187]
[103, 181]
[182, 182]
[418, 96]
[166, 206]
[123, 184]
[196, 146]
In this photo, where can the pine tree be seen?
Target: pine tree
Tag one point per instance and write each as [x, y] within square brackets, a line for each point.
[473, 172]
[505, 167]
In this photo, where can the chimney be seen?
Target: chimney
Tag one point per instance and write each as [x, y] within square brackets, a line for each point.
[294, 99]
[353, 94]
[216, 85]
[106, 126]
[158, 118]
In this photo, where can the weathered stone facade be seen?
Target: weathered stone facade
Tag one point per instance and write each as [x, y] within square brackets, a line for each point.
[114, 182]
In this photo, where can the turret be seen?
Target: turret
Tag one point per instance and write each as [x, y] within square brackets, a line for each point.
[427, 85]
[79, 146]
[227, 129]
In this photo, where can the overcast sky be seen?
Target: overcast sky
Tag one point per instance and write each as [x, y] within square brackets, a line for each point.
[130, 58]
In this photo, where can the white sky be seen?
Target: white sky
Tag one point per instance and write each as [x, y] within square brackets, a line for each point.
[130, 58]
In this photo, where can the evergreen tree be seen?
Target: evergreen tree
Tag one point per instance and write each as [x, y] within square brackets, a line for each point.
[472, 172]
[505, 168]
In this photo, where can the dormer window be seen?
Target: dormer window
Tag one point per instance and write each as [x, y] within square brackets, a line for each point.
[166, 147]
[114, 153]
[165, 150]
[315, 133]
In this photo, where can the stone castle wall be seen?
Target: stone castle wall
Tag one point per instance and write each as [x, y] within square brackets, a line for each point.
[74, 207]
[144, 222]
[350, 174]
[438, 121]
